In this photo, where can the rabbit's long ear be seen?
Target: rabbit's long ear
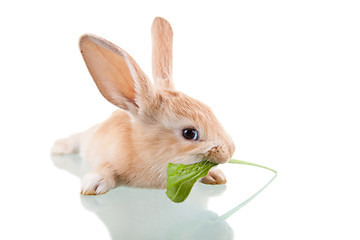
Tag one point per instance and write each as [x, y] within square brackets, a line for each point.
[117, 76]
[162, 41]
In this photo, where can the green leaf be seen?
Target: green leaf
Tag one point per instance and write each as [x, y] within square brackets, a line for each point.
[181, 178]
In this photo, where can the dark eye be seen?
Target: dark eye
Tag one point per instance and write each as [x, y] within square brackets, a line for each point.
[190, 134]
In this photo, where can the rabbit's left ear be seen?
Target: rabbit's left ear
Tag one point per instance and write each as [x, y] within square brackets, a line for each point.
[117, 76]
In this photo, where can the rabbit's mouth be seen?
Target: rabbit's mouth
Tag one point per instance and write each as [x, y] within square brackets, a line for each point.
[219, 154]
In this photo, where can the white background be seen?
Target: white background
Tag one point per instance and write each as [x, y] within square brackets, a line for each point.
[282, 76]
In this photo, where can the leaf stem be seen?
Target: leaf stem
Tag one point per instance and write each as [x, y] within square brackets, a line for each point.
[251, 164]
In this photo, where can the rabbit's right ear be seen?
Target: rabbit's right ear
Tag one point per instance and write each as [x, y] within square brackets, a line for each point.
[117, 76]
[162, 55]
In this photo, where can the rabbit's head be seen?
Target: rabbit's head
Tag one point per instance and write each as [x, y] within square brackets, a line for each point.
[165, 121]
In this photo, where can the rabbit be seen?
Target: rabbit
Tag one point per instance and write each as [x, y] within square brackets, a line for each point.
[154, 125]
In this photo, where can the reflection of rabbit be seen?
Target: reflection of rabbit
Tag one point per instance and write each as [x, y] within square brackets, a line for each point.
[156, 124]
[133, 213]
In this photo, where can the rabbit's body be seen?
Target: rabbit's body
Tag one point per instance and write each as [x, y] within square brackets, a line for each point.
[156, 125]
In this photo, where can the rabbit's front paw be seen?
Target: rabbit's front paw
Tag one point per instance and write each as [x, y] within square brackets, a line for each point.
[95, 184]
[214, 177]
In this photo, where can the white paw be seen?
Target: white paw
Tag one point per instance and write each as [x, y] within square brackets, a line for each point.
[63, 146]
[95, 184]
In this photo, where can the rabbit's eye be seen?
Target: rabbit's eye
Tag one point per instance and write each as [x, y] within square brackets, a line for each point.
[190, 134]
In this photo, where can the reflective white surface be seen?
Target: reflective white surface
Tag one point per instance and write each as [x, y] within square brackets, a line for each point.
[131, 213]
[282, 77]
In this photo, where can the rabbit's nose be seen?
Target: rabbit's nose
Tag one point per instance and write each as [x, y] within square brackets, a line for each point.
[220, 154]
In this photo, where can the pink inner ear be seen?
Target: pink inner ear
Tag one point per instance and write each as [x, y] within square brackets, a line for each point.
[109, 70]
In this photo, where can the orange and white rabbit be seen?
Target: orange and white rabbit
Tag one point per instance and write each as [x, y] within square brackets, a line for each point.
[154, 125]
